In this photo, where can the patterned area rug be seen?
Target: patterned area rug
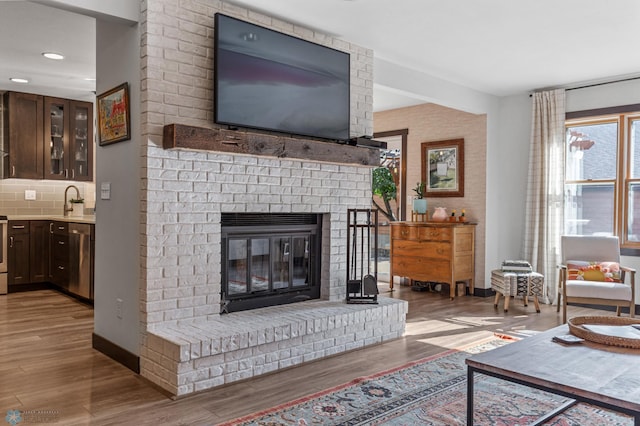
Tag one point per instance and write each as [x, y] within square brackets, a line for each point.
[431, 391]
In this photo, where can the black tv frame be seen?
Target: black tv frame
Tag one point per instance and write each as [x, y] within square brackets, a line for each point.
[239, 125]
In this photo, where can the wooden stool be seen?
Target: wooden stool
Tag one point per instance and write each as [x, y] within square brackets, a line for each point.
[509, 284]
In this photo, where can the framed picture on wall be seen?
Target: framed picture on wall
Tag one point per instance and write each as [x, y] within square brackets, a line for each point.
[443, 168]
[114, 122]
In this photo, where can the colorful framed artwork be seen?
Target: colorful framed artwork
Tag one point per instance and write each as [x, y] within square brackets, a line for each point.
[114, 122]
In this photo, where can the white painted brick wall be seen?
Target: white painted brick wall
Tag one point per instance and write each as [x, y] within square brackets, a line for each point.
[185, 253]
[185, 192]
[177, 64]
[200, 354]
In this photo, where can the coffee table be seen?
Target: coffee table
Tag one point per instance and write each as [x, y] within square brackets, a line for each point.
[606, 376]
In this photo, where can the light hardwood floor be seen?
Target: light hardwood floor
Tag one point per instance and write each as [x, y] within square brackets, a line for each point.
[47, 363]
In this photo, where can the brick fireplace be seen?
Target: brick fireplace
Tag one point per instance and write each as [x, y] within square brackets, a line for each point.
[186, 345]
[189, 346]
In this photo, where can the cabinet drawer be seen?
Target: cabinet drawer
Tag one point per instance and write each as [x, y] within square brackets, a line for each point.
[435, 234]
[60, 247]
[405, 232]
[17, 227]
[422, 269]
[422, 249]
[60, 228]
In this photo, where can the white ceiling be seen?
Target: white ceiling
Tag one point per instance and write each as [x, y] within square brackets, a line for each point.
[499, 47]
[27, 30]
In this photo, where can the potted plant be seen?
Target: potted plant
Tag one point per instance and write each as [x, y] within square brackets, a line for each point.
[77, 206]
[419, 202]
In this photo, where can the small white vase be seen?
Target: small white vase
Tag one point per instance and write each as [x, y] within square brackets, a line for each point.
[78, 209]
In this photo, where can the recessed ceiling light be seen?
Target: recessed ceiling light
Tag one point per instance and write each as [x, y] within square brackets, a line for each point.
[19, 80]
[52, 55]
[89, 79]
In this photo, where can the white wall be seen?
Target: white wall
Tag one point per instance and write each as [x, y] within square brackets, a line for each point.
[507, 163]
[607, 95]
[117, 267]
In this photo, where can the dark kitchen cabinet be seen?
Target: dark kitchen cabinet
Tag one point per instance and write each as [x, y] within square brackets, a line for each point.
[55, 252]
[39, 242]
[60, 255]
[23, 135]
[18, 253]
[46, 138]
[68, 135]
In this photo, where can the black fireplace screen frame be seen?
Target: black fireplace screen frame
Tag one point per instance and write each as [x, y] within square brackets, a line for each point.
[268, 239]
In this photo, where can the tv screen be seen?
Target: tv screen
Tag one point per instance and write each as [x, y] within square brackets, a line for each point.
[272, 81]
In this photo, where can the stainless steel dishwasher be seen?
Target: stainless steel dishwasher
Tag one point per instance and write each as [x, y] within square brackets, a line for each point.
[80, 260]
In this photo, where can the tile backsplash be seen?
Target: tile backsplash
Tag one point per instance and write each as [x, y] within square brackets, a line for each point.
[49, 196]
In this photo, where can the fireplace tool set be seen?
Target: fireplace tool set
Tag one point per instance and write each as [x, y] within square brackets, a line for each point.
[362, 282]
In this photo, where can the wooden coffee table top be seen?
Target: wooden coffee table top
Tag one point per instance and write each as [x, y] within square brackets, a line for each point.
[603, 373]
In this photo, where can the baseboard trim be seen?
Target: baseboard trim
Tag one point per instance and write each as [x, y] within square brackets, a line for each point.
[18, 288]
[115, 352]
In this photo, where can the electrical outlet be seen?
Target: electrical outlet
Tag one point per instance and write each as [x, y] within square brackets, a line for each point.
[119, 303]
[29, 194]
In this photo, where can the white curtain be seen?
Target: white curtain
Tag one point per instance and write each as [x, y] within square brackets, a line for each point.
[545, 186]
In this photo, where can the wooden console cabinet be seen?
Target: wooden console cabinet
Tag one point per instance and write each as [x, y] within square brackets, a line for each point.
[433, 251]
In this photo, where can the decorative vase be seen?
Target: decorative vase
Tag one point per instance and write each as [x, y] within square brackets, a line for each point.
[440, 214]
[420, 205]
[78, 209]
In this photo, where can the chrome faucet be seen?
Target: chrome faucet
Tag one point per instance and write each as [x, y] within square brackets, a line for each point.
[66, 209]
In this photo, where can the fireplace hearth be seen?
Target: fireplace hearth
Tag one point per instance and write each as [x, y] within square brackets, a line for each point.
[269, 259]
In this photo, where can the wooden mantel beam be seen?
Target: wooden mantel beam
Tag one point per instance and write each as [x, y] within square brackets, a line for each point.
[243, 142]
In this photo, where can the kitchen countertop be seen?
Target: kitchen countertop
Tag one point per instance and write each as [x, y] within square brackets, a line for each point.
[61, 218]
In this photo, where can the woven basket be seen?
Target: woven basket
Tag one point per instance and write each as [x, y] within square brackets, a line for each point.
[575, 326]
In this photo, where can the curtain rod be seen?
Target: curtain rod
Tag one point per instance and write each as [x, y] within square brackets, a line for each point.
[593, 84]
[603, 83]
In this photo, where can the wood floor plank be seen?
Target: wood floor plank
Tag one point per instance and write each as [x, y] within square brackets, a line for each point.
[47, 362]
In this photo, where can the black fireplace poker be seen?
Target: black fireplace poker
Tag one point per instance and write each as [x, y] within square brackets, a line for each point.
[362, 264]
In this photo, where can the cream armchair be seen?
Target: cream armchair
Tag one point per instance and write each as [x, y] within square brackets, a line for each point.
[590, 274]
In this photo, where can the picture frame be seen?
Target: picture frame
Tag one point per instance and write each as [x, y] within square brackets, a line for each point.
[443, 168]
[114, 120]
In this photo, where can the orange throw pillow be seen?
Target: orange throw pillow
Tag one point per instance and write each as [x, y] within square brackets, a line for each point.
[593, 271]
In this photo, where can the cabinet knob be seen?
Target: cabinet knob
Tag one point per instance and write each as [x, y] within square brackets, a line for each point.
[61, 243]
[10, 241]
[61, 268]
[17, 226]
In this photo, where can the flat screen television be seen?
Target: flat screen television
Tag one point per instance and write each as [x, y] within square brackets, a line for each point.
[268, 80]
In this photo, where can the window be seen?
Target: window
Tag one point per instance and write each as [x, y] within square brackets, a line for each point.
[602, 174]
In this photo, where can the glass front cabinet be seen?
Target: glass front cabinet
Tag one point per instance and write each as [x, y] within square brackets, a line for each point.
[68, 127]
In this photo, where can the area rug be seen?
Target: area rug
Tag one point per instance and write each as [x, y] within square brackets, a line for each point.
[431, 391]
